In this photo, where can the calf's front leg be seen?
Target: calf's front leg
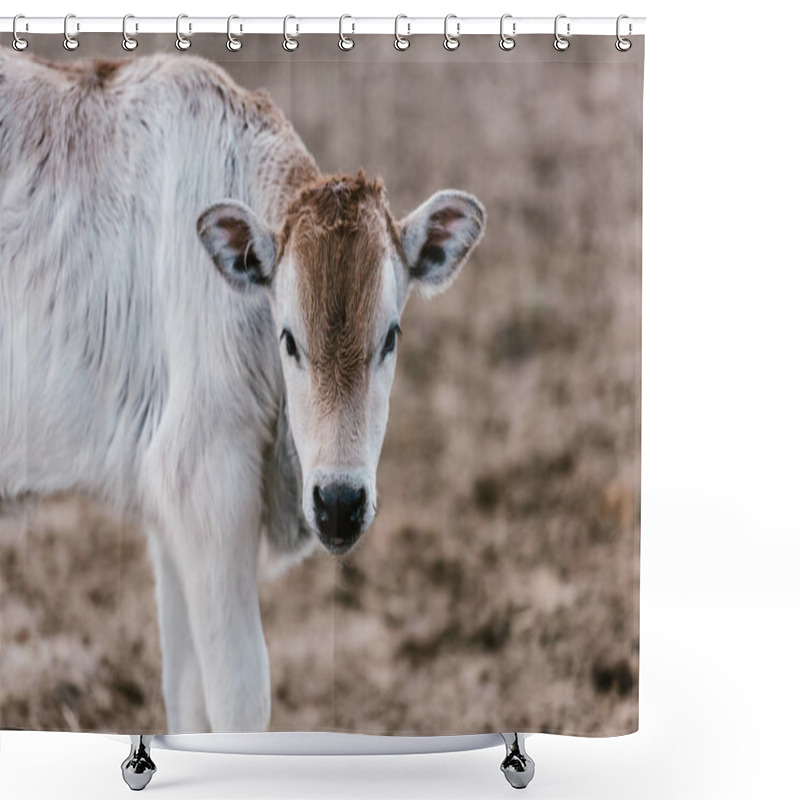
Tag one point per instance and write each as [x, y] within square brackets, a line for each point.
[181, 678]
[213, 538]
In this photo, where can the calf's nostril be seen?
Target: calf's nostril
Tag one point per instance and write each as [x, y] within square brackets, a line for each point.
[319, 505]
[357, 507]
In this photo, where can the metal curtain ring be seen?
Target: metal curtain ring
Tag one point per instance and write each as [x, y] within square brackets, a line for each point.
[623, 45]
[233, 44]
[181, 42]
[70, 42]
[18, 42]
[507, 42]
[451, 42]
[290, 44]
[560, 43]
[401, 42]
[344, 42]
[128, 42]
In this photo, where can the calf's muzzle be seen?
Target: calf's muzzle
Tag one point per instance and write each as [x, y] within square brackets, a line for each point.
[339, 513]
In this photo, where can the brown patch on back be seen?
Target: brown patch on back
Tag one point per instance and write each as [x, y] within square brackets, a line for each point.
[337, 227]
[105, 70]
[96, 73]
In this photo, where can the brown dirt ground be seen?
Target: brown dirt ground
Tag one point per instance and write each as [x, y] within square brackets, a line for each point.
[498, 586]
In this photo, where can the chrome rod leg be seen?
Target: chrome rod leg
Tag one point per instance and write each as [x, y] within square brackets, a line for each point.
[138, 768]
[517, 766]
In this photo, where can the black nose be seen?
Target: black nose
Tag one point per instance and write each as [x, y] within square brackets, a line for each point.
[339, 512]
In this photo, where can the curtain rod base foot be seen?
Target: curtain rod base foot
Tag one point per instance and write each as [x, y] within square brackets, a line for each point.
[138, 768]
[517, 766]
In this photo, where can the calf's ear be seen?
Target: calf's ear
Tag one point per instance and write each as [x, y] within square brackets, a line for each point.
[241, 246]
[438, 237]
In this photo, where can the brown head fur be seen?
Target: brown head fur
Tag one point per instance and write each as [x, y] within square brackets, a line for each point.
[338, 228]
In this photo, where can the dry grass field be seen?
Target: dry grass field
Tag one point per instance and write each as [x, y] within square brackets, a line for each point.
[498, 587]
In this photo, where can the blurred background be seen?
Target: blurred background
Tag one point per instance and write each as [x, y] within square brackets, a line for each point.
[498, 586]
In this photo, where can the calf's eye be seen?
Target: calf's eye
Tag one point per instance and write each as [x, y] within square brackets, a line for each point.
[390, 342]
[291, 345]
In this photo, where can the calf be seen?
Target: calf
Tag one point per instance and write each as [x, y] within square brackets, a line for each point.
[201, 329]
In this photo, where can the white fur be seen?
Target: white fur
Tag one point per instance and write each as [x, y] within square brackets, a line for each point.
[130, 370]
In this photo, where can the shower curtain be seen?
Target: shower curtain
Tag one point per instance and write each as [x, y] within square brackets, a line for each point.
[320, 385]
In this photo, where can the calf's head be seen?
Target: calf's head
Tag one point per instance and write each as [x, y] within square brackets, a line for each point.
[338, 275]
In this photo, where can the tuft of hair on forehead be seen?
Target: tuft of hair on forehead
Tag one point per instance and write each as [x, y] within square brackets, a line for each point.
[336, 201]
[339, 230]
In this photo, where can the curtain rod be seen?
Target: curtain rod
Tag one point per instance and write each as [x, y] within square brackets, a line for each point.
[298, 25]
